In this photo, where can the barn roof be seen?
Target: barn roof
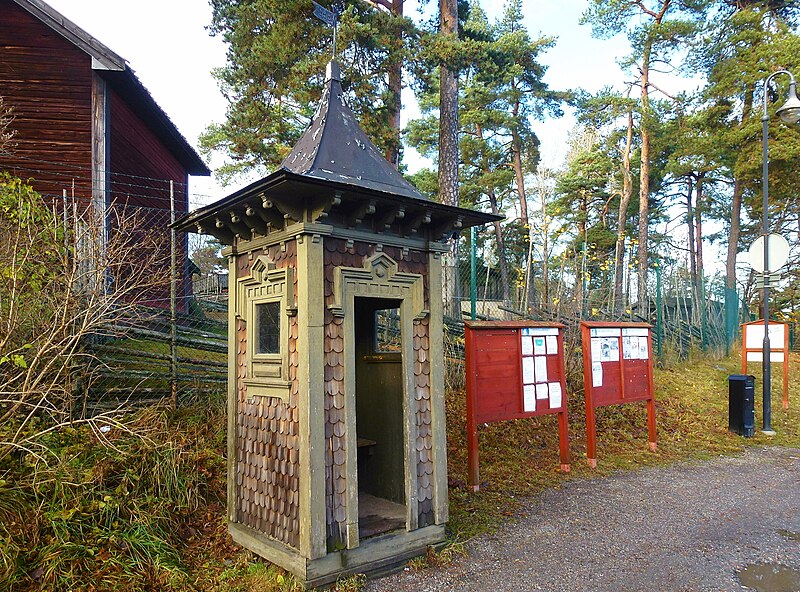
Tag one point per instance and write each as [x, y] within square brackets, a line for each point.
[334, 173]
[119, 75]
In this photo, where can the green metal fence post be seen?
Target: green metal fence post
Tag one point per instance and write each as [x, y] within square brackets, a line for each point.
[731, 318]
[473, 273]
[703, 317]
[659, 319]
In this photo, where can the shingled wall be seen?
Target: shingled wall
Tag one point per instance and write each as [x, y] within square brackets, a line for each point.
[267, 428]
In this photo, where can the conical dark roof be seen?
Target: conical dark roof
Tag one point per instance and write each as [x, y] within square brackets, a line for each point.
[337, 174]
[335, 148]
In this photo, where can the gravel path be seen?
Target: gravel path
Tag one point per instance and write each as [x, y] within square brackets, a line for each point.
[691, 526]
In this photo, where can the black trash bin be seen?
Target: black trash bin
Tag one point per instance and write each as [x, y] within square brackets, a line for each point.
[741, 404]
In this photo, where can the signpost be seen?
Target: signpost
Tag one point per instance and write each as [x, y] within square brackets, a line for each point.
[752, 348]
[617, 369]
[768, 254]
[515, 369]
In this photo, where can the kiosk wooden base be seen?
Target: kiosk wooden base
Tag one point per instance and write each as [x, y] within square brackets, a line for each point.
[374, 556]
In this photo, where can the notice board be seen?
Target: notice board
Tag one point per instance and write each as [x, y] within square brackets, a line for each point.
[753, 348]
[617, 369]
[514, 369]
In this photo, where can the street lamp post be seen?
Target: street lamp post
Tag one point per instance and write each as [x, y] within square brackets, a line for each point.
[789, 113]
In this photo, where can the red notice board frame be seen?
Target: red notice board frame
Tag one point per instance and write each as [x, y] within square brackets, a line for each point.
[500, 363]
[620, 378]
[753, 343]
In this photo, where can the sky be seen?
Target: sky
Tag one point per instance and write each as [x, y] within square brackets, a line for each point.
[168, 46]
[166, 43]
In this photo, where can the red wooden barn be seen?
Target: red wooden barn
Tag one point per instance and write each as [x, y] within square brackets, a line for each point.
[84, 120]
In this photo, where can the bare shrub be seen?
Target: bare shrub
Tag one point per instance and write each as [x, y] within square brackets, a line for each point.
[65, 277]
[6, 132]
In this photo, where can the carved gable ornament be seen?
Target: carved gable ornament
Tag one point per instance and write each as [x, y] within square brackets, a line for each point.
[378, 278]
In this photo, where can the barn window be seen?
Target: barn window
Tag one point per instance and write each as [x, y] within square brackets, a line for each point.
[268, 317]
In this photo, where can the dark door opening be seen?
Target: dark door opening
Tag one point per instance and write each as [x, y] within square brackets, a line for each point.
[379, 417]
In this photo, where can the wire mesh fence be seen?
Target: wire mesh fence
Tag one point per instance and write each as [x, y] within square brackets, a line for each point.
[160, 332]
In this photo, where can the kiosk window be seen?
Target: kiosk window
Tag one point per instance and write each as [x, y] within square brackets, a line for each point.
[268, 317]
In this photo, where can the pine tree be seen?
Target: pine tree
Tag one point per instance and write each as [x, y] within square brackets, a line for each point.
[275, 71]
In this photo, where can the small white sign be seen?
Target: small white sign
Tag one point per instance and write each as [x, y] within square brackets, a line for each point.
[540, 364]
[644, 354]
[555, 395]
[754, 335]
[539, 347]
[605, 332]
[541, 331]
[638, 331]
[552, 345]
[527, 345]
[756, 356]
[529, 398]
[609, 349]
[597, 374]
[542, 391]
[528, 374]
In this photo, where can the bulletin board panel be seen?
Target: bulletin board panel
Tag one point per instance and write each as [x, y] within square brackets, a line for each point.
[753, 348]
[515, 370]
[617, 369]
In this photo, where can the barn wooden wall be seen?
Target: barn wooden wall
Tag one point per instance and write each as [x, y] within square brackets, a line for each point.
[137, 157]
[48, 82]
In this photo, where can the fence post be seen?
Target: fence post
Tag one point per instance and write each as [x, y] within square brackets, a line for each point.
[731, 318]
[473, 272]
[173, 346]
[703, 314]
[659, 317]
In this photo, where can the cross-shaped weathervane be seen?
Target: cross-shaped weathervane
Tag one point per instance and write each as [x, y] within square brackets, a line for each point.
[330, 17]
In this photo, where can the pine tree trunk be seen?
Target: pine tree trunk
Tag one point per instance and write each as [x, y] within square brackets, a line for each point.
[644, 187]
[736, 209]
[581, 276]
[498, 230]
[448, 112]
[395, 89]
[501, 247]
[516, 153]
[448, 147]
[644, 172]
[625, 200]
[698, 244]
[690, 217]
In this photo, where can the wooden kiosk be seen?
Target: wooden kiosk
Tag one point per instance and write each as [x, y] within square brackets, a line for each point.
[336, 421]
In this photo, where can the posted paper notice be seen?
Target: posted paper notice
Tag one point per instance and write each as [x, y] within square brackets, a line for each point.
[527, 345]
[542, 392]
[555, 395]
[552, 345]
[597, 374]
[529, 398]
[541, 368]
[539, 347]
[528, 376]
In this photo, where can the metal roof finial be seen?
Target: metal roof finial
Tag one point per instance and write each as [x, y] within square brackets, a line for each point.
[330, 17]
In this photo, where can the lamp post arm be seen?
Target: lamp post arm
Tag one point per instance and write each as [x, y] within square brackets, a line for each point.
[766, 86]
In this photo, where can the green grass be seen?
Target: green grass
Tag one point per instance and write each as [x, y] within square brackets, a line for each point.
[148, 513]
[520, 458]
